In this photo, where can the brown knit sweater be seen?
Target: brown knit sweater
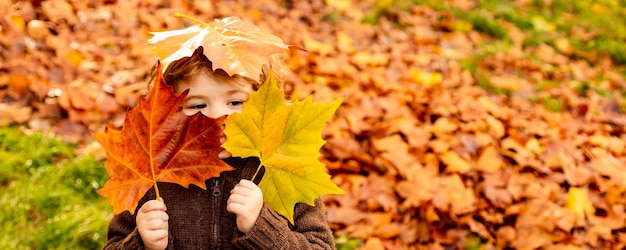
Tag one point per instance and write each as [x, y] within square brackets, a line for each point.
[199, 220]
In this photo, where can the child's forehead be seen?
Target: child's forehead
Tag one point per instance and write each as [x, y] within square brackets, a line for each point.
[223, 78]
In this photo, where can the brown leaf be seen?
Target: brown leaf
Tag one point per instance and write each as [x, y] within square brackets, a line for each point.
[314, 46]
[617, 146]
[490, 160]
[57, 10]
[415, 193]
[443, 126]
[128, 95]
[597, 232]
[499, 197]
[38, 29]
[388, 231]
[496, 128]
[74, 58]
[81, 99]
[107, 103]
[18, 86]
[396, 151]
[531, 238]
[11, 113]
[345, 215]
[453, 196]
[575, 175]
[505, 235]
[373, 244]
[477, 228]
[454, 163]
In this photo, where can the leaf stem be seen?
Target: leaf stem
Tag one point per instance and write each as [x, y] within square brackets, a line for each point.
[156, 189]
[181, 15]
[255, 173]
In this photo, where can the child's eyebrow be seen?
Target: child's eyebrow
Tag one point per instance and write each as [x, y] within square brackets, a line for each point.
[230, 92]
[235, 91]
[189, 97]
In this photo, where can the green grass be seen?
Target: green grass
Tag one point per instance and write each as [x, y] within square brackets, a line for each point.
[344, 242]
[48, 195]
[594, 28]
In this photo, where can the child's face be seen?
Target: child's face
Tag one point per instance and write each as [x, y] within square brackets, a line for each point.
[214, 99]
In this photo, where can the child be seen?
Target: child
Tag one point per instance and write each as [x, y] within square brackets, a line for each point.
[230, 214]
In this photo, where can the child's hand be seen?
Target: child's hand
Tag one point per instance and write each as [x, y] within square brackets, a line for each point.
[152, 224]
[224, 154]
[245, 201]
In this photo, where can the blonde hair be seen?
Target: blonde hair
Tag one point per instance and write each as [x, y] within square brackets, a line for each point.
[184, 69]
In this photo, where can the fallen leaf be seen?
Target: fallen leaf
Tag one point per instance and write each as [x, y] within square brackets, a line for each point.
[614, 144]
[365, 59]
[315, 46]
[415, 193]
[388, 231]
[18, 86]
[531, 238]
[396, 151]
[453, 195]
[496, 128]
[38, 29]
[490, 160]
[578, 201]
[454, 163]
[11, 113]
[373, 244]
[58, 10]
[444, 126]
[597, 232]
[426, 78]
[17, 22]
[575, 175]
[344, 43]
[74, 57]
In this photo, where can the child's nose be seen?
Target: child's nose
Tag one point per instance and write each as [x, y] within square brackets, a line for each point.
[215, 111]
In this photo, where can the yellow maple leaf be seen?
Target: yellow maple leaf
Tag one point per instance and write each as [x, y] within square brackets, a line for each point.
[578, 201]
[287, 140]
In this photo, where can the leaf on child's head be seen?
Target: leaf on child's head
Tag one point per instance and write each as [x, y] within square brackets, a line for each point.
[158, 142]
[231, 44]
[287, 139]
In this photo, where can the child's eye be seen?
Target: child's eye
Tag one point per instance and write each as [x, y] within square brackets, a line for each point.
[197, 106]
[235, 103]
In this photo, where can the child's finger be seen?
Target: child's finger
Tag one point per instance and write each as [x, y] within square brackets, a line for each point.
[224, 154]
[156, 224]
[235, 208]
[247, 184]
[237, 199]
[153, 205]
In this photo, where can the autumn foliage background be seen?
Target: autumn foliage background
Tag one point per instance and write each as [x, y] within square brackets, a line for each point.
[458, 129]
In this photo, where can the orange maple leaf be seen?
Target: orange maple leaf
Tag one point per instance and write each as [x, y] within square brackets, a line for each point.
[158, 142]
[231, 44]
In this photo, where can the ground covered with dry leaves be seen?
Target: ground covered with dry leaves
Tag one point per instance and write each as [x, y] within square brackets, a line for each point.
[429, 156]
